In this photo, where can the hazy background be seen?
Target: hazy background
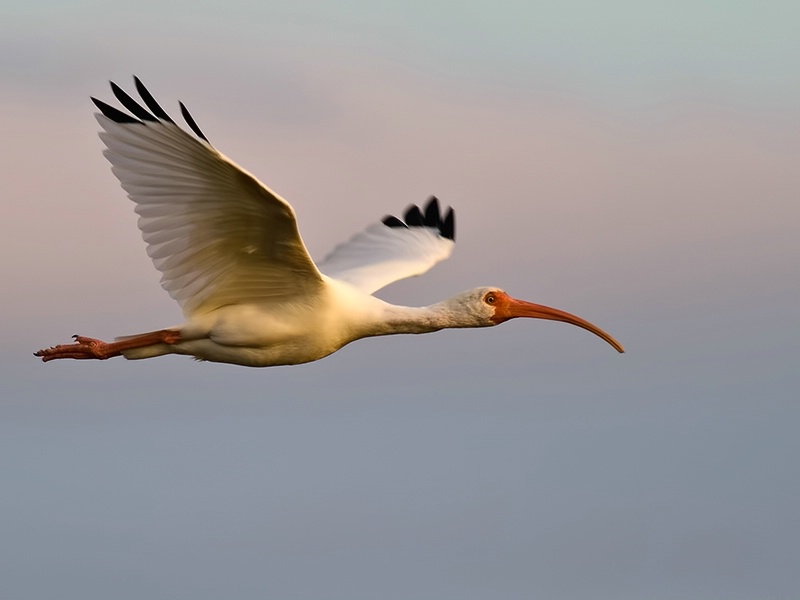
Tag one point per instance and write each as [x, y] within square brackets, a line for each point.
[635, 163]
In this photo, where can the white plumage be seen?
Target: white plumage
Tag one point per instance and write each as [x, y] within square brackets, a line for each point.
[381, 255]
[230, 253]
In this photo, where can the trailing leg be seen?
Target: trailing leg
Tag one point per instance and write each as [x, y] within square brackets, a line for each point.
[90, 348]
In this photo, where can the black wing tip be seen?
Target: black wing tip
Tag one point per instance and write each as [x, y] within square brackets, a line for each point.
[112, 113]
[134, 107]
[413, 216]
[431, 217]
[150, 101]
[138, 113]
[392, 221]
[191, 122]
[448, 226]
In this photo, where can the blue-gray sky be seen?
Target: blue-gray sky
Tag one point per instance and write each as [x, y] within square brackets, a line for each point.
[634, 163]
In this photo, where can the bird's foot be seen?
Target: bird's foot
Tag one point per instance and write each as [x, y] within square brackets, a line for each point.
[83, 348]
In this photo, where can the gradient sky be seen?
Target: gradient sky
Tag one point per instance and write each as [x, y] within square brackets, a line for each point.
[635, 163]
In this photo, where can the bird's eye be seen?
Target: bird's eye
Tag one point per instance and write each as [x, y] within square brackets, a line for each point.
[490, 299]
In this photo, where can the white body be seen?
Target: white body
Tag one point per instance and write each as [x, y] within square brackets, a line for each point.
[259, 335]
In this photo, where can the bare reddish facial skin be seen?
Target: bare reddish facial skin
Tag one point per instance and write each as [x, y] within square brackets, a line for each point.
[86, 348]
[507, 308]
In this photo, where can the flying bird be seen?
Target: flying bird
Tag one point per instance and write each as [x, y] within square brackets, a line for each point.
[230, 253]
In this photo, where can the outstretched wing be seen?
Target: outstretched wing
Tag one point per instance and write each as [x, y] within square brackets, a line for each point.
[392, 250]
[217, 234]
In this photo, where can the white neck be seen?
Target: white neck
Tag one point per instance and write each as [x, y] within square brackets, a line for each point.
[372, 316]
[426, 319]
[409, 319]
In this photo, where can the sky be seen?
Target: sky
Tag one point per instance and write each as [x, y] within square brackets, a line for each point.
[634, 163]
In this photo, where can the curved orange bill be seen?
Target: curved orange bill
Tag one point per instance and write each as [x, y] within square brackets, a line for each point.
[510, 308]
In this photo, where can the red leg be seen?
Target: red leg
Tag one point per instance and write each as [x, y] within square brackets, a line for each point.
[85, 347]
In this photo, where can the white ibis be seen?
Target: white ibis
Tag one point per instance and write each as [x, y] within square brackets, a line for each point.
[230, 253]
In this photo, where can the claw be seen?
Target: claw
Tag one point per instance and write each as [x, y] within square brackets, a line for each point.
[83, 348]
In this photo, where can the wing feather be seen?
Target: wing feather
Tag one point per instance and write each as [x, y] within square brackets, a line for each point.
[392, 250]
[217, 234]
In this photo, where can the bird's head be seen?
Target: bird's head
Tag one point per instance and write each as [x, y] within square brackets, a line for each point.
[490, 306]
